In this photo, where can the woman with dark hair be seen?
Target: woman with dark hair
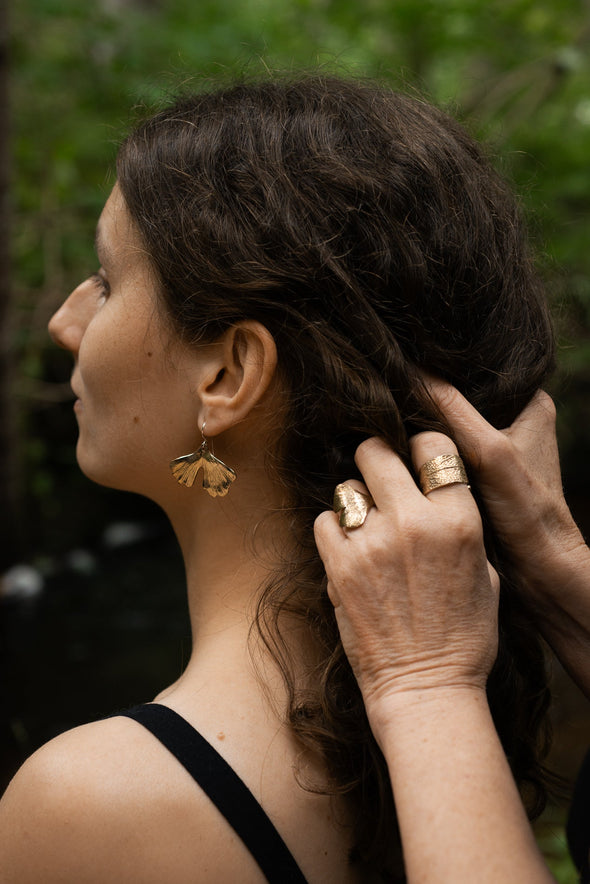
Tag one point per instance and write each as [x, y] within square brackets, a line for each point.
[279, 264]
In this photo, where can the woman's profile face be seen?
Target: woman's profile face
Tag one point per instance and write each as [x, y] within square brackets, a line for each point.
[134, 383]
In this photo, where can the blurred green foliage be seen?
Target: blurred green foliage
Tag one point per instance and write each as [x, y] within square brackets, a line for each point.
[551, 838]
[516, 71]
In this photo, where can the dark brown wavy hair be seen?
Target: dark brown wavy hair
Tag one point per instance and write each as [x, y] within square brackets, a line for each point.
[369, 233]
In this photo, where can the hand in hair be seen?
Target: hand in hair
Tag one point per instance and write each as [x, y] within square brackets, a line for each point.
[518, 476]
[416, 605]
[415, 597]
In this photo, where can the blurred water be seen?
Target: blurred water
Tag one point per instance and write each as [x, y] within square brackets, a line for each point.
[106, 631]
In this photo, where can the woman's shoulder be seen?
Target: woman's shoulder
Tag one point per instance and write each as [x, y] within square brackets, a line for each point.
[75, 752]
[104, 801]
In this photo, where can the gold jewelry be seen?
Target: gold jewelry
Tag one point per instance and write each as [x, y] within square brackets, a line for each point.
[352, 505]
[217, 476]
[446, 469]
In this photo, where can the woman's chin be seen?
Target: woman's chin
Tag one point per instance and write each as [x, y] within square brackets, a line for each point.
[103, 473]
[119, 478]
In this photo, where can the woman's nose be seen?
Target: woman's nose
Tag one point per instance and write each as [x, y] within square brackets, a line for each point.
[68, 324]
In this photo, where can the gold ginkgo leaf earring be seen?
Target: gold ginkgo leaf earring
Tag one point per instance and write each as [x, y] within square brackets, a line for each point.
[217, 476]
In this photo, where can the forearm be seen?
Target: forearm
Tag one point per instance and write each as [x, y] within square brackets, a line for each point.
[459, 811]
[560, 599]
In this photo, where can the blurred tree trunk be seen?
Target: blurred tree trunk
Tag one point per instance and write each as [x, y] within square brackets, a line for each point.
[9, 520]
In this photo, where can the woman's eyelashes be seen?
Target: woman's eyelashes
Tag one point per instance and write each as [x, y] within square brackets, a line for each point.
[101, 284]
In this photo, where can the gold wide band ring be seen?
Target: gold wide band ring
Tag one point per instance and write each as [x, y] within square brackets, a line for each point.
[446, 469]
[351, 506]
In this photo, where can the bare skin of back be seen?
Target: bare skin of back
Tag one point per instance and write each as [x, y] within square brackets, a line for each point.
[107, 802]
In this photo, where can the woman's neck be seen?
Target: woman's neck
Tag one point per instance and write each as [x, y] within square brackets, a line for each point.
[230, 546]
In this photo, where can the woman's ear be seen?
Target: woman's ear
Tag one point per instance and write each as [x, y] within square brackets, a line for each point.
[238, 375]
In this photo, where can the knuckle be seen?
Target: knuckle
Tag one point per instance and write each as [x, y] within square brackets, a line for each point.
[320, 522]
[428, 444]
[470, 533]
[496, 449]
[464, 526]
[413, 527]
[323, 528]
[548, 406]
[369, 447]
[377, 549]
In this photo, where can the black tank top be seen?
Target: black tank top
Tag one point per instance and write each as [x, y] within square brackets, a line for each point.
[226, 790]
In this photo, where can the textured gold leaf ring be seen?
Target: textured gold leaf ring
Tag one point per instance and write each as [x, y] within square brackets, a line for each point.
[351, 506]
[446, 469]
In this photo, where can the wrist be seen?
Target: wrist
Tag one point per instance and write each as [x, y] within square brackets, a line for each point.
[455, 796]
[558, 578]
[423, 708]
[541, 540]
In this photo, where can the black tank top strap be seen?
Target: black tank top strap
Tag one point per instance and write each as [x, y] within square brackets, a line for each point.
[224, 787]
